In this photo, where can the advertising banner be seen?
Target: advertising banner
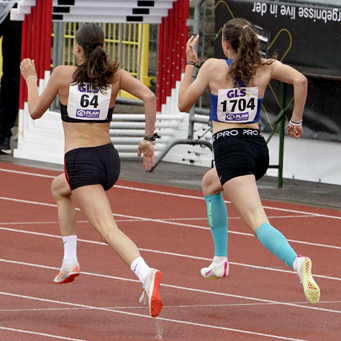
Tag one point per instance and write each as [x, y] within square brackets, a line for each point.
[307, 37]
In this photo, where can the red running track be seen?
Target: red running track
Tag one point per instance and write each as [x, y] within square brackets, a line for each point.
[261, 299]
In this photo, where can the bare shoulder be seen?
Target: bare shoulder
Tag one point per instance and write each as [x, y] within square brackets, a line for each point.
[122, 80]
[271, 63]
[63, 74]
[120, 76]
[64, 70]
[121, 73]
[60, 80]
[213, 67]
[212, 63]
[268, 67]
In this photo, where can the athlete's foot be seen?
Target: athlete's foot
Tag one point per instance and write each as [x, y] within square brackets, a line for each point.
[216, 270]
[151, 292]
[68, 273]
[311, 289]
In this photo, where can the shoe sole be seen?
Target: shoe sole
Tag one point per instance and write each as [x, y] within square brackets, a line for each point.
[212, 277]
[156, 303]
[68, 279]
[311, 289]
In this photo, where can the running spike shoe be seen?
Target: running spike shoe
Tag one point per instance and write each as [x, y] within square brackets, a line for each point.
[68, 273]
[216, 270]
[150, 292]
[311, 289]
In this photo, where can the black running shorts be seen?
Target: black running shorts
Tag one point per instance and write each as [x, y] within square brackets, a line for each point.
[92, 166]
[240, 152]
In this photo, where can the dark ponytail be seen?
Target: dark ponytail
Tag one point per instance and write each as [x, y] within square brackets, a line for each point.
[97, 68]
[244, 41]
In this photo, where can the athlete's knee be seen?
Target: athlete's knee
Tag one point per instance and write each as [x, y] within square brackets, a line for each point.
[59, 188]
[254, 221]
[104, 238]
[107, 233]
[54, 189]
[210, 183]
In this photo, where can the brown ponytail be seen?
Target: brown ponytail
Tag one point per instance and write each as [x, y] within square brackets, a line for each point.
[244, 41]
[97, 68]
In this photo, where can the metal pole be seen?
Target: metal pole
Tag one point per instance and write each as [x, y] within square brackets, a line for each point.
[196, 21]
[57, 53]
[281, 136]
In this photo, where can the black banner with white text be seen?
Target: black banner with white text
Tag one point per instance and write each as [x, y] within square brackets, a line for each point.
[307, 37]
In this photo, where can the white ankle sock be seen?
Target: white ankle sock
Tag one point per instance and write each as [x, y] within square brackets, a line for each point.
[218, 260]
[294, 265]
[140, 269]
[70, 249]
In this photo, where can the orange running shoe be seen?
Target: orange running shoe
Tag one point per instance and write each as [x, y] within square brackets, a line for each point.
[151, 292]
[67, 273]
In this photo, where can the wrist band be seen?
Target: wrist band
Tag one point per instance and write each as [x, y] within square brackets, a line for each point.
[32, 77]
[153, 137]
[296, 123]
[192, 63]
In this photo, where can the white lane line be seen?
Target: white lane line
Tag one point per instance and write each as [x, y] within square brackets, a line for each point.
[145, 316]
[162, 221]
[238, 218]
[136, 219]
[297, 305]
[29, 202]
[191, 306]
[177, 195]
[228, 202]
[40, 334]
[166, 253]
[27, 173]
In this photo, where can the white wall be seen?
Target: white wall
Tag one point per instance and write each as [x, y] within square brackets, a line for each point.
[307, 159]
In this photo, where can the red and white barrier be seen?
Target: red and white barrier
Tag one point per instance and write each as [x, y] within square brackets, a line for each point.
[42, 140]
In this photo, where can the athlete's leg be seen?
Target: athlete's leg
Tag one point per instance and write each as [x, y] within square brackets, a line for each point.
[67, 222]
[243, 194]
[217, 219]
[216, 212]
[66, 210]
[95, 205]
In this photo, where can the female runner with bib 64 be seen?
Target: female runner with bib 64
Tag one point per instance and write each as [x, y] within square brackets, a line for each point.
[237, 86]
[87, 94]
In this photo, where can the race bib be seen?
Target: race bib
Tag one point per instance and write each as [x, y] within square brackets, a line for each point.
[237, 105]
[88, 104]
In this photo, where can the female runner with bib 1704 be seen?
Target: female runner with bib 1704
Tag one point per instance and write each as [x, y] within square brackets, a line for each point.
[237, 85]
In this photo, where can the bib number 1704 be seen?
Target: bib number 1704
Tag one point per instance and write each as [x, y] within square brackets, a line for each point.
[239, 105]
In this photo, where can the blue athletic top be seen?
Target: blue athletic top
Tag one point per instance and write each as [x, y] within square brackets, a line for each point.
[214, 100]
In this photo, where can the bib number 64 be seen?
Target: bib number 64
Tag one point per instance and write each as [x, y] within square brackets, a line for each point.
[86, 101]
